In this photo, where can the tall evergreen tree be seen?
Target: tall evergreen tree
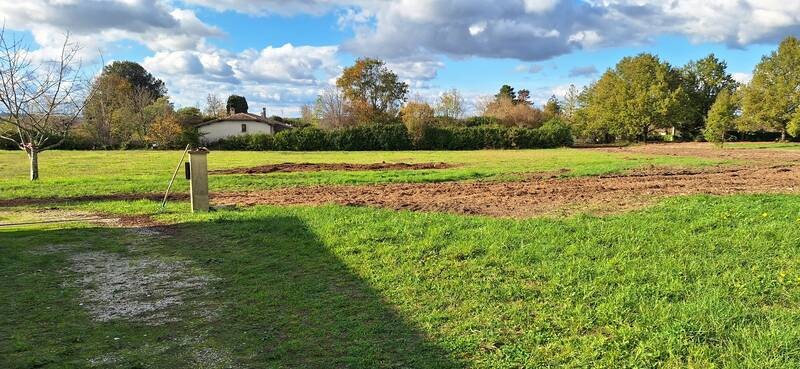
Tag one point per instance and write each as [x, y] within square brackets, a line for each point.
[507, 92]
[137, 76]
[237, 103]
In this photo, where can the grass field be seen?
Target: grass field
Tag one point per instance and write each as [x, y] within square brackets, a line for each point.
[71, 173]
[694, 281]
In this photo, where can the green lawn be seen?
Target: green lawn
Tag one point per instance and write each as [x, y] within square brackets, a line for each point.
[699, 281]
[764, 145]
[693, 282]
[81, 173]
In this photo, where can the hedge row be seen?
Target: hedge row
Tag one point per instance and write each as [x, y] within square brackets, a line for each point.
[396, 137]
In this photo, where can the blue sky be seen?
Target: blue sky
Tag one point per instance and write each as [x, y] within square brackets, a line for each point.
[281, 53]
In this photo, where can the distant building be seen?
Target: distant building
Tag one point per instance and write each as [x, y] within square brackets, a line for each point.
[237, 124]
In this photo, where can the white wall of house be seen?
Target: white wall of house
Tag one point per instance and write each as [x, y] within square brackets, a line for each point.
[218, 130]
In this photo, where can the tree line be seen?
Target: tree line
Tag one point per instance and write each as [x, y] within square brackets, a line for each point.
[700, 100]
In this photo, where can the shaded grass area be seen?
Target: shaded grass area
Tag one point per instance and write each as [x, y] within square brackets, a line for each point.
[81, 173]
[696, 281]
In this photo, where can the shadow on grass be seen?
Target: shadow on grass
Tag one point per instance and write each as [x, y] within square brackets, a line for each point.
[284, 300]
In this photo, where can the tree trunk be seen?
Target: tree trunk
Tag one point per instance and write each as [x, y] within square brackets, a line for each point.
[783, 135]
[34, 156]
[644, 134]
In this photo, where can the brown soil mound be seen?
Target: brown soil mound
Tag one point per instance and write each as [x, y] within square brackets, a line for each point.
[316, 167]
[602, 194]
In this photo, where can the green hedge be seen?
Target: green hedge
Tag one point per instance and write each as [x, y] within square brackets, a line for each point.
[396, 137]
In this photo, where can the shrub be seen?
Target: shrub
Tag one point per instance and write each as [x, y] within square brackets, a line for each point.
[396, 137]
[481, 121]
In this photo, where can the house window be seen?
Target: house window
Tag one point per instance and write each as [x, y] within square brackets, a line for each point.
[244, 128]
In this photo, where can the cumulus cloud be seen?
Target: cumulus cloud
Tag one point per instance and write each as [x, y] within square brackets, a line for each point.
[288, 63]
[414, 36]
[94, 24]
[282, 7]
[533, 68]
[276, 77]
[742, 77]
[416, 70]
[588, 70]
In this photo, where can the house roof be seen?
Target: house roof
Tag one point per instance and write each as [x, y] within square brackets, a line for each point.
[246, 117]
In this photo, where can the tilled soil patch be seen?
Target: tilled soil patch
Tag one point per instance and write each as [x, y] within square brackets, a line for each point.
[316, 167]
[709, 151]
[26, 201]
[603, 194]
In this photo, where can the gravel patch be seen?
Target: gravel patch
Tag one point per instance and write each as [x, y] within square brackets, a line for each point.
[142, 289]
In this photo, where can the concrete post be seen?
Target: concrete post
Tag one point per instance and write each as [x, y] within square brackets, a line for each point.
[198, 184]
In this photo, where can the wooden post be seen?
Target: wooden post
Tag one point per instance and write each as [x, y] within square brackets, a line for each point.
[198, 184]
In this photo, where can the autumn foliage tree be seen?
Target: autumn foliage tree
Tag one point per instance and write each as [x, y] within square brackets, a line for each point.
[450, 105]
[371, 90]
[165, 131]
[416, 117]
[512, 113]
[137, 76]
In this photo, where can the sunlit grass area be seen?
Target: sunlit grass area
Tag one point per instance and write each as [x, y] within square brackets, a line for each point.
[693, 282]
[81, 173]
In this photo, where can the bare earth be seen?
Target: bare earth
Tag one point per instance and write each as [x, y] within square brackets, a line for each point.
[316, 167]
[745, 171]
[763, 171]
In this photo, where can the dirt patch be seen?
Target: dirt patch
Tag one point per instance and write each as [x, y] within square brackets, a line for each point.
[709, 151]
[603, 194]
[147, 290]
[316, 167]
[27, 201]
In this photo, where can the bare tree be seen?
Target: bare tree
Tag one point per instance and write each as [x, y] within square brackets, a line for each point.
[40, 101]
[450, 105]
[140, 98]
[331, 109]
[214, 106]
[307, 114]
[482, 104]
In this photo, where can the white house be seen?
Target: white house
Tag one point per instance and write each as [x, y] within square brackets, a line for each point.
[237, 124]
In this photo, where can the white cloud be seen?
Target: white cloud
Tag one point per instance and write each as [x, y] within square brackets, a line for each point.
[539, 6]
[477, 28]
[279, 78]
[412, 35]
[288, 63]
[94, 24]
[742, 77]
[419, 70]
[588, 38]
[586, 71]
[282, 7]
[533, 68]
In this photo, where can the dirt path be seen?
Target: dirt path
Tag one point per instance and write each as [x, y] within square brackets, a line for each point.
[537, 196]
